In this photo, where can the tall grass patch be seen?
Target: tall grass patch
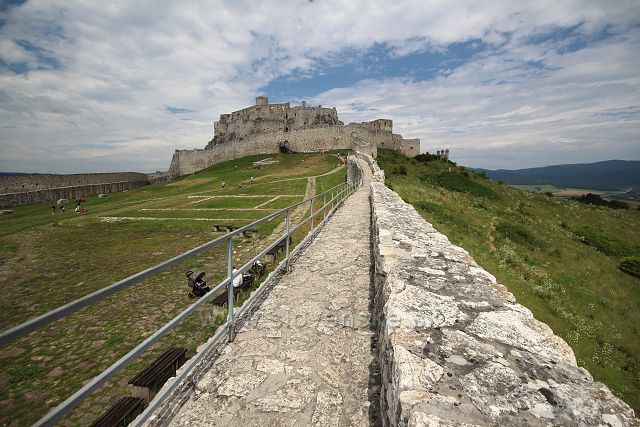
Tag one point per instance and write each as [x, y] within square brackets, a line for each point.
[607, 244]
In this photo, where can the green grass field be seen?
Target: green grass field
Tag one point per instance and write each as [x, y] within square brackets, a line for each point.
[49, 260]
[559, 258]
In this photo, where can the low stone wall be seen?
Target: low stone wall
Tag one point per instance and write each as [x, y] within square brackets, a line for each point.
[71, 193]
[24, 183]
[454, 346]
[378, 174]
[354, 171]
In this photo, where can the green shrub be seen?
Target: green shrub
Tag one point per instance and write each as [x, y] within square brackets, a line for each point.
[617, 204]
[631, 266]
[517, 234]
[426, 157]
[463, 184]
[608, 245]
[594, 199]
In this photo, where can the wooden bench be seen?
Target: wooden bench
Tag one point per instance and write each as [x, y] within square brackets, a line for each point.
[122, 413]
[221, 299]
[148, 381]
[274, 253]
[250, 234]
[226, 228]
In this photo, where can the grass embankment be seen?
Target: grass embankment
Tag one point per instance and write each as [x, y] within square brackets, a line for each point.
[561, 259]
[49, 260]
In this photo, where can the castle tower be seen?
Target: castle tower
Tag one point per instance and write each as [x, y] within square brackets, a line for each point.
[262, 100]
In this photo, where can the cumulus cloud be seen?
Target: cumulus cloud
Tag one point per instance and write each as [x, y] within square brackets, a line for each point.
[499, 111]
[91, 86]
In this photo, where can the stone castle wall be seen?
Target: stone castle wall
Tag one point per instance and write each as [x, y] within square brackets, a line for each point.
[24, 190]
[322, 138]
[71, 193]
[454, 347]
[21, 183]
[316, 139]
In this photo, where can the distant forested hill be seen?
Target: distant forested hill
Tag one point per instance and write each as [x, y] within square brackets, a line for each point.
[607, 175]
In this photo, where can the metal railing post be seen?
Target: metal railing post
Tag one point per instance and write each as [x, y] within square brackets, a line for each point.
[230, 287]
[324, 206]
[332, 199]
[287, 242]
[312, 200]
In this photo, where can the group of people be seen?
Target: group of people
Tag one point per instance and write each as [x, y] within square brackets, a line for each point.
[199, 286]
[223, 183]
[79, 208]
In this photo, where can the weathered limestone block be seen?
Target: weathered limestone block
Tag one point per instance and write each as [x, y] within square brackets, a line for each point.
[454, 346]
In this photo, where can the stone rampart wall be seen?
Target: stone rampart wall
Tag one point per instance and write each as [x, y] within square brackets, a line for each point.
[454, 346]
[23, 190]
[321, 138]
[71, 193]
[378, 174]
[354, 171]
[305, 140]
[22, 183]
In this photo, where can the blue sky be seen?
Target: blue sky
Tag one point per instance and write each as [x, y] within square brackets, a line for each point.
[86, 86]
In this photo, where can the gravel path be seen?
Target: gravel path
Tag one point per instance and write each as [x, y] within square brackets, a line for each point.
[304, 357]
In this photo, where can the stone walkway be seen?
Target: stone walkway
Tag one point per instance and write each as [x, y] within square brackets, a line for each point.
[304, 357]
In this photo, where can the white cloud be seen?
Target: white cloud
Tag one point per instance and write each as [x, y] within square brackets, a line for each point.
[102, 103]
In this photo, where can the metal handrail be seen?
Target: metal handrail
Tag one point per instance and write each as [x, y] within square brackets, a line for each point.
[338, 195]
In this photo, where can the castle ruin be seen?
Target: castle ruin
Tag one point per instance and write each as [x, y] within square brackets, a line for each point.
[264, 117]
[263, 128]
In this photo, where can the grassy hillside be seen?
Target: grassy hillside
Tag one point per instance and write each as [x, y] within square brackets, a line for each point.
[561, 259]
[48, 260]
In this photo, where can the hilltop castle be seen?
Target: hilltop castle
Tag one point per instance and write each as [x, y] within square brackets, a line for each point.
[266, 128]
